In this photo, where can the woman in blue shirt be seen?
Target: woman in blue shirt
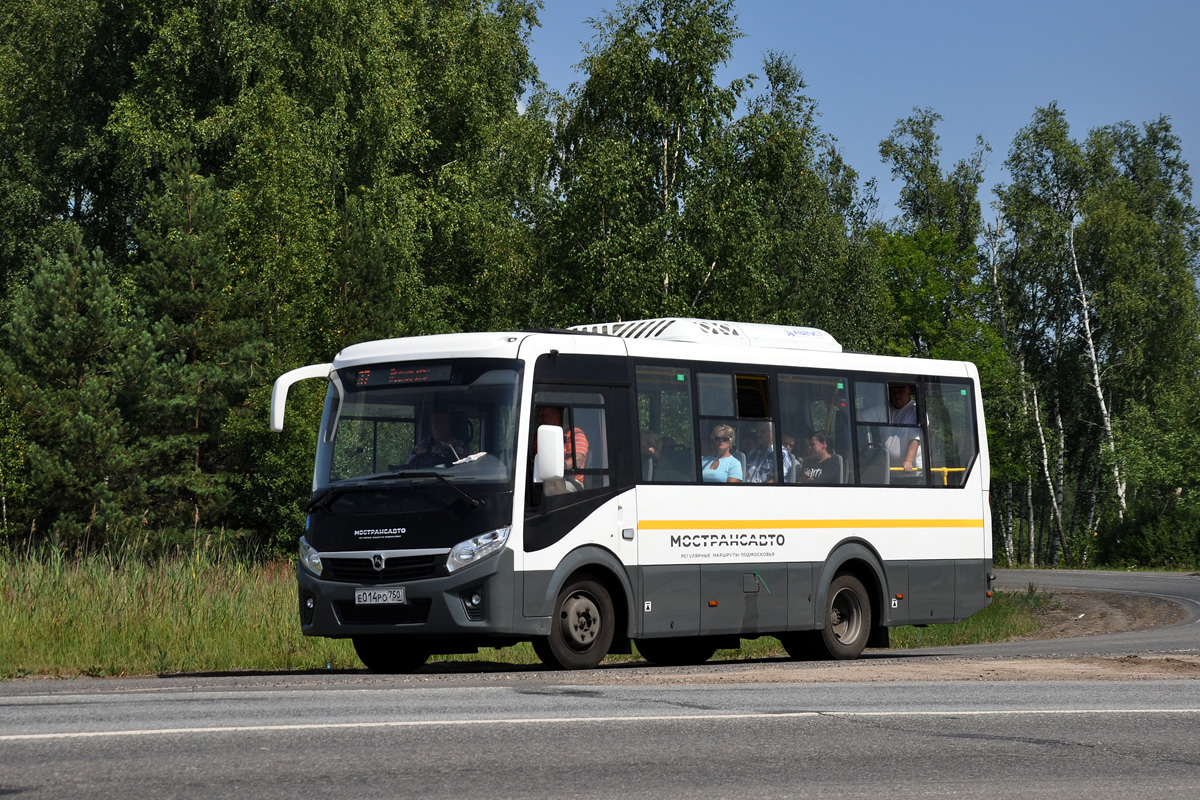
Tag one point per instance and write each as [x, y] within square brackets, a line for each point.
[722, 467]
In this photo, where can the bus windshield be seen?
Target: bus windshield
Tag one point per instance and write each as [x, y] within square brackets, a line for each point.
[453, 419]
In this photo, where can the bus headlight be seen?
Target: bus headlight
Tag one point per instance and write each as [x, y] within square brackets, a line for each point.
[310, 558]
[478, 548]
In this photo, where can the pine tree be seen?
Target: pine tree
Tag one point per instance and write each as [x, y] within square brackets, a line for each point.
[204, 314]
[83, 374]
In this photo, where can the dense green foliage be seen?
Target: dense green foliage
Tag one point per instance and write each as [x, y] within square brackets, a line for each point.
[196, 197]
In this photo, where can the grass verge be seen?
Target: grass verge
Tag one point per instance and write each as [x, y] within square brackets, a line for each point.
[109, 616]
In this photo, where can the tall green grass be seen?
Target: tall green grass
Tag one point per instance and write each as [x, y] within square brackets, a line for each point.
[108, 615]
[1011, 614]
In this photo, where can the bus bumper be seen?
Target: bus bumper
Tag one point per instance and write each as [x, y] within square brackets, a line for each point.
[476, 601]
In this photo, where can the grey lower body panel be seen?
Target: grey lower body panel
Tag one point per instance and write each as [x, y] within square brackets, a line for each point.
[929, 592]
[724, 599]
[751, 600]
[746, 600]
[435, 607]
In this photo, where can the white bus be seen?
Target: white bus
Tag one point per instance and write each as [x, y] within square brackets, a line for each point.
[675, 484]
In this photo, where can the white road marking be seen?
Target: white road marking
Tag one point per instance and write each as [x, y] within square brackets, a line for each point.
[25, 737]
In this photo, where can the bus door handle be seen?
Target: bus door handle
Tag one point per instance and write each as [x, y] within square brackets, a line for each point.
[627, 534]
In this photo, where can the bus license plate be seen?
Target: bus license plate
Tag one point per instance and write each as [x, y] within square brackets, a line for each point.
[371, 597]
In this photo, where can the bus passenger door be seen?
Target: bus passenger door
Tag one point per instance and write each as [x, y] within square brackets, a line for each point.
[667, 491]
[592, 506]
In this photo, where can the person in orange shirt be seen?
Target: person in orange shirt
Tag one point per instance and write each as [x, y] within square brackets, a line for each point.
[575, 443]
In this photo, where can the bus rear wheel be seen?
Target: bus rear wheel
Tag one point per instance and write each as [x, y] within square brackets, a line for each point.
[676, 652]
[847, 618]
[581, 628]
[391, 655]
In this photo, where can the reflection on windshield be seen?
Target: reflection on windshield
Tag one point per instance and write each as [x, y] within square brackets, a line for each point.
[454, 418]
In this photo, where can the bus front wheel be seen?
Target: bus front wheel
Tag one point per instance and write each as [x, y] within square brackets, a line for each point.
[581, 628]
[391, 655]
[847, 618]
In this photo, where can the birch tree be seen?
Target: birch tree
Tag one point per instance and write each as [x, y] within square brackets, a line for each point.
[1099, 285]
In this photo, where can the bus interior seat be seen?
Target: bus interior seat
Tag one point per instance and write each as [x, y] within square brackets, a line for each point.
[679, 464]
[840, 465]
[461, 428]
[875, 465]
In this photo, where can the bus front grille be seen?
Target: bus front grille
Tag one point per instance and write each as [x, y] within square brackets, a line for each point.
[361, 570]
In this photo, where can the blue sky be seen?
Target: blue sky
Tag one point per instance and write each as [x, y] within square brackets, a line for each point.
[984, 67]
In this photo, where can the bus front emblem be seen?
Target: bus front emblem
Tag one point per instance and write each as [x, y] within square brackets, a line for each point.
[377, 562]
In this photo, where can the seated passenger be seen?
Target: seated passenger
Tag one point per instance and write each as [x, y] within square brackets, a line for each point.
[789, 444]
[821, 467]
[722, 466]
[760, 462]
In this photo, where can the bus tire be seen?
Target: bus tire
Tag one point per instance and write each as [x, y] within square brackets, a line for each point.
[847, 618]
[581, 628]
[391, 655]
[676, 652]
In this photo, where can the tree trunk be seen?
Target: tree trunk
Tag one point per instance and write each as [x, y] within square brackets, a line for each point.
[994, 237]
[1105, 419]
[1029, 521]
[1055, 508]
[1006, 521]
[1060, 483]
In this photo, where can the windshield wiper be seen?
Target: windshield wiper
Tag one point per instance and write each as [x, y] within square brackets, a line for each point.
[474, 501]
[323, 498]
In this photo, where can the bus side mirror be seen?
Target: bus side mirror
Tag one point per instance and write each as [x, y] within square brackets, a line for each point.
[548, 464]
[284, 382]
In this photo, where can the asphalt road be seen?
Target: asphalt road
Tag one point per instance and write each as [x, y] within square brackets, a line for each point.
[537, 734]
[1183, 637]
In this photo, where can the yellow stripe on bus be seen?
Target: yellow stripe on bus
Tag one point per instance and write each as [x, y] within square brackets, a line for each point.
[753, 524]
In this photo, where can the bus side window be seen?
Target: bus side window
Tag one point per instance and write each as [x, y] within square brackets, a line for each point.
[739, 401]
[585, 442]
[664, 408]
[889, 415]
[595, 469]
[950, 407]
[812, 403]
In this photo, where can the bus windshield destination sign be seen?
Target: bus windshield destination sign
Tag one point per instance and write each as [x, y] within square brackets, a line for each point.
[395, 376]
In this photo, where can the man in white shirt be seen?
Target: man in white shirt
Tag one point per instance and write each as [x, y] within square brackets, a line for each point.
[903, 444]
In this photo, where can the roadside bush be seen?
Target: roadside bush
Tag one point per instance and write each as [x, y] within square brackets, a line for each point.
[1153, 537]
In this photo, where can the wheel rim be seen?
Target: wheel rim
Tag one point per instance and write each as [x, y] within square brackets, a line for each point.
[580, 620]
[846, 616]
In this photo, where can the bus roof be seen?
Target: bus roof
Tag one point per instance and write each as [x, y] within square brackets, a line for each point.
[704, 331]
